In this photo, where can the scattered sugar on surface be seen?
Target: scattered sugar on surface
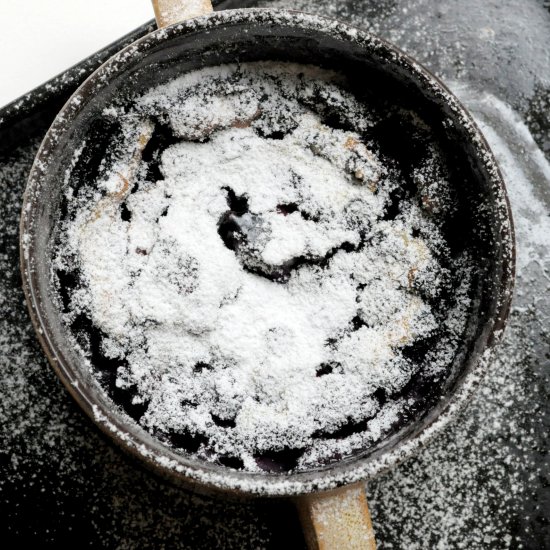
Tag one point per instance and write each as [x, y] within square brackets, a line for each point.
[483, 474]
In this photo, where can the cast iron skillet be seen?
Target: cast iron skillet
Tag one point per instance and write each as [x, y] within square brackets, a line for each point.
[332, 501]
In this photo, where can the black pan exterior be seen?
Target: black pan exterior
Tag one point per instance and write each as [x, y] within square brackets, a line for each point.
[250, 35]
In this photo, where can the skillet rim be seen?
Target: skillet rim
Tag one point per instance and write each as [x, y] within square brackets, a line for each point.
[199, 474]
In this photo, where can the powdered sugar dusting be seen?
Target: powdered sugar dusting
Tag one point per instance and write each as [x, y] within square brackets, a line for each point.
[257, 289]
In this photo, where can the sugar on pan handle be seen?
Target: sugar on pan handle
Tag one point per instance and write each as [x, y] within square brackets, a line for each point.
[332, 520]
[169, 12]
[337, 519]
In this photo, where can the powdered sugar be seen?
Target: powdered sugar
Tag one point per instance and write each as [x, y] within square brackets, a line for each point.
[256, 293]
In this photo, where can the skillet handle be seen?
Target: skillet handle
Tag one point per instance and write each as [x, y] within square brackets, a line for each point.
[337, 519]
[169, 12]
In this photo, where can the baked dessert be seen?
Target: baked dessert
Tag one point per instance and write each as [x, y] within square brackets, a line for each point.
[262, 264]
